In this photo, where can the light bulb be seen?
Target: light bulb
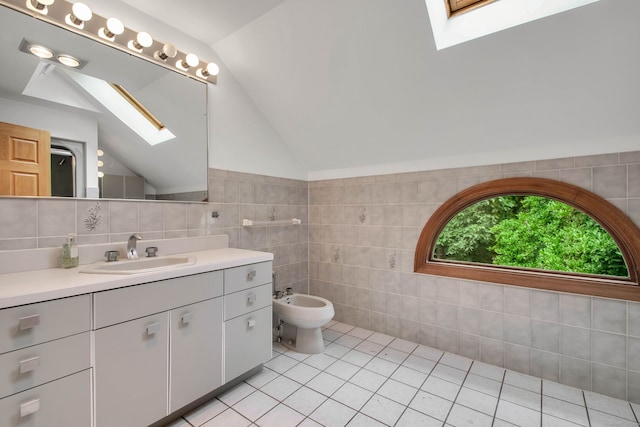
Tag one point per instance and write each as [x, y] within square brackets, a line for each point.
[100, 174]
[168, 51]
[211, 69]
[100, 153]
[191, 60]
[40, 51]
[39, 6]
[69, 61]
[142, 40]
[114, 28]
[100, 163]
[80, 13]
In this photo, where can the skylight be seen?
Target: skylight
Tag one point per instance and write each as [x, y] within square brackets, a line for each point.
[125, 107]
[491, 18]
[461, 6]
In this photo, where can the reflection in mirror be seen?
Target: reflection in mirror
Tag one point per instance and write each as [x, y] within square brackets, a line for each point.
[42, 94]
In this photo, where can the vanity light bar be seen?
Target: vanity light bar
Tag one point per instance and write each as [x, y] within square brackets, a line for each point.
[78, 18]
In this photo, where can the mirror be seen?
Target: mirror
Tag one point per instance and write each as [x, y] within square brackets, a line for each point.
[46, 95]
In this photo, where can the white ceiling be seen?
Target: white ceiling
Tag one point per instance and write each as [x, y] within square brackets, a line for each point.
[206, 20]
[349, 84]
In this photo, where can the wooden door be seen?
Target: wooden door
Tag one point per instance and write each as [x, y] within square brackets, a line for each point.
[25, 161]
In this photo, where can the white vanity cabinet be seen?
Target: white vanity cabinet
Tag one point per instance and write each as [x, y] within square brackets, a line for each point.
[45, 356]
[157, 348]
[128, 350]
[247, 326]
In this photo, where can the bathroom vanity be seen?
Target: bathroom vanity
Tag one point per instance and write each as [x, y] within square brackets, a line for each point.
[129, 349]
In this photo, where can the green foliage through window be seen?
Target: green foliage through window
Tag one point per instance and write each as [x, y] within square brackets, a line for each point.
[531, 232]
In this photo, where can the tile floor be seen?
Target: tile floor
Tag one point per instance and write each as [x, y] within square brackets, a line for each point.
[370, 379]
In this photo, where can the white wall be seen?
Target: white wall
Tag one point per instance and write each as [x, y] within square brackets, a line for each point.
[240, 138]
[62, 125]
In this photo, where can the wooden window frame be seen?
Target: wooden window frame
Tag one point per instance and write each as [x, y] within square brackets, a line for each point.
[467, 5]
[625, 233]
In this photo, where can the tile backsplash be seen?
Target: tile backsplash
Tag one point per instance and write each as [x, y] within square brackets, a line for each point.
[356, 247]
[29, 223]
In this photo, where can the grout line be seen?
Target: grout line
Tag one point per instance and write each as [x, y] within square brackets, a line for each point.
[495, 412]
[459, 389]
[586, 408]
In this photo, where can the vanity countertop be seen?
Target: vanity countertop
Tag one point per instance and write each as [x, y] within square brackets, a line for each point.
[40, 285]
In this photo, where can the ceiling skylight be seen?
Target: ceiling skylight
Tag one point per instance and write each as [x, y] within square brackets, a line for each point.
[491, 18]
[125, 107]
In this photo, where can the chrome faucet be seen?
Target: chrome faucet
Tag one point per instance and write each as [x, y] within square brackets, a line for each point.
[132, 252]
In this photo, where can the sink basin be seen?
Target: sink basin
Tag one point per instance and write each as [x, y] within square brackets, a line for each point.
[142, 265]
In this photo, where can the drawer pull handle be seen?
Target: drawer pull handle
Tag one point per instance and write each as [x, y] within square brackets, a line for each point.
[29, 322]
[251, 298]
[29, 408]
[29, 365]
[186, 318]
[251, 275]
[251, 323]
[153, 328]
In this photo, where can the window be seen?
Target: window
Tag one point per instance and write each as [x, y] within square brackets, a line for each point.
[451, 27]
[455, 7]
[620, 281]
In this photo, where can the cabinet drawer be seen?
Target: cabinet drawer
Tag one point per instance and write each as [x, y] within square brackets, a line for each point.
[36, 365]
[65, 402]
[120, 305]
[239, 303]
[247, 276]
[247, 342]
[32, 324]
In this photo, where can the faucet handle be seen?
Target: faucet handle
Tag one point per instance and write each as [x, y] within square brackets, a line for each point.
[111, 255]
[151, 251]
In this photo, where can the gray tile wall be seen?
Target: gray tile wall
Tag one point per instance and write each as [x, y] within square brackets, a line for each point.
[363, 232]
[358, 249]
[237, 196]
[28, 223]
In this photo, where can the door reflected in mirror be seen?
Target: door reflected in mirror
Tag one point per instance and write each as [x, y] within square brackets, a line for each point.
[83, 121]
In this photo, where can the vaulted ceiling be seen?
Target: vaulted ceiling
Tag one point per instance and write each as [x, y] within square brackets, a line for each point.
[357, 83]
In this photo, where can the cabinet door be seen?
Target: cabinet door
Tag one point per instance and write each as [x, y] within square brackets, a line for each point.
[196, 351]
[131, 372]
[247, 342]
[64, 402]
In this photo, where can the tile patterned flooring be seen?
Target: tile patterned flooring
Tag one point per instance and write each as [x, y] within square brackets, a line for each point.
[370, 379]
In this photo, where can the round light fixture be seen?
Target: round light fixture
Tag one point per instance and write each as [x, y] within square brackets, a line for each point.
[40, 51]
[80, 13]
[142, 40]
[191, 60]
[168, 51]
[211, 69]
[100, 153]
[114, 28]
[100, 174]
[69, 61]
[39, 6]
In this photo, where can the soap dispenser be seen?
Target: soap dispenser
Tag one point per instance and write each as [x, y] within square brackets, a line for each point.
[70, 257]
